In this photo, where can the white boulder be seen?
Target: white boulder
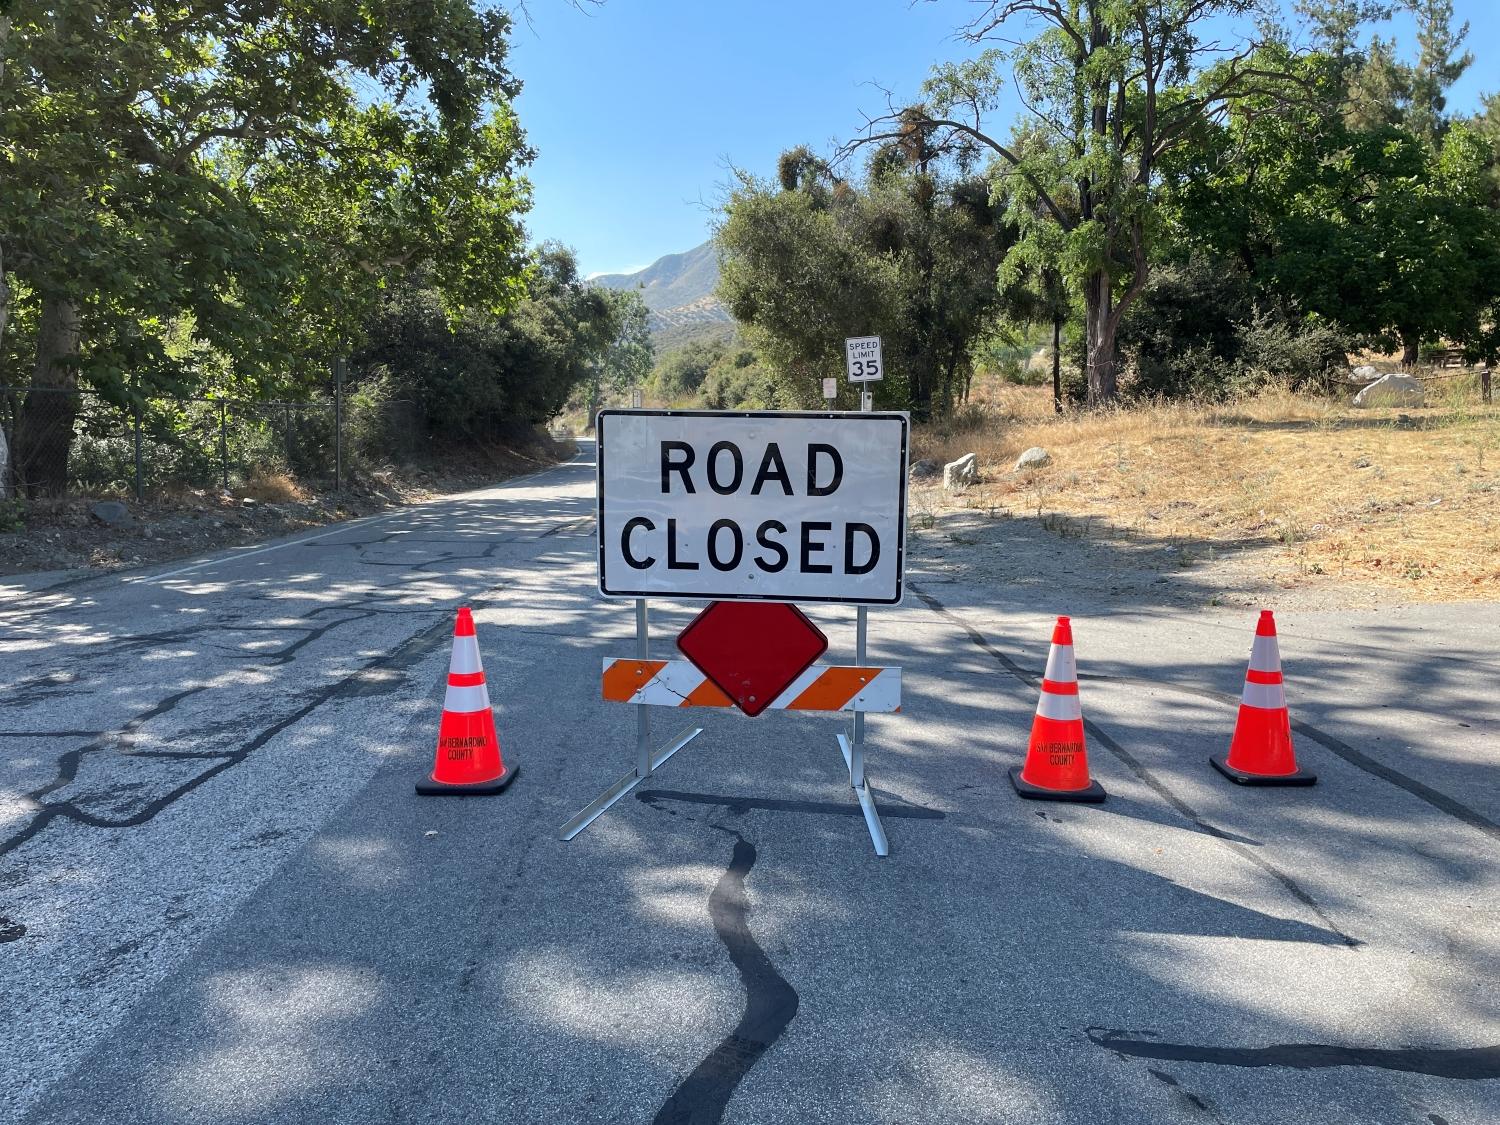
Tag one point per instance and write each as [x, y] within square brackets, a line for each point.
[1033, 458]
[1392, 390]
[961, 473]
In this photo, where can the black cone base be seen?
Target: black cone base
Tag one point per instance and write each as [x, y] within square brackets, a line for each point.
[1093, 795]
[429, 788]
[1240, 777]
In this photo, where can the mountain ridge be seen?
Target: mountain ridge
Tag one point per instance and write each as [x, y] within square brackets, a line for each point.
[679, 291]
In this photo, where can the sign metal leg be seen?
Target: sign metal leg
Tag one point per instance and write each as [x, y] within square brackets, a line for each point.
[642, 712]
[852, 746]
[647, 761]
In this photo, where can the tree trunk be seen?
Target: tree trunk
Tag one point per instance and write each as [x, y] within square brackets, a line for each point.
[44, 431]
[1103, 360]
[4, 320]
[1057, 404]
[1410, 343]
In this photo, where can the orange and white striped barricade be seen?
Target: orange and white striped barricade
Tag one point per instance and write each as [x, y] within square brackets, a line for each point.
[643, 682]
[679, 683]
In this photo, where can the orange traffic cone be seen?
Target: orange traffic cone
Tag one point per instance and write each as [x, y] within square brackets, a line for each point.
[1260, 753]
[468, 753]
[1057, 762]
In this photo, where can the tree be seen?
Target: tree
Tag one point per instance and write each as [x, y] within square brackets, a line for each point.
[1112, 87]
[1368, 228]
[909, 254]
[629, 354]
[148, 162]
[480, 374]
[1439, 65]
[1486, 126]
[1387, 91]
[683, 371]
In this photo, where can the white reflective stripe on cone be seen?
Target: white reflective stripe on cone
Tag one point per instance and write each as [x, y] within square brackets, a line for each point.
[1061, 668]
[465, 699]
[1061, 707]
[1268, 697]
[1264, 655]
[465, 656]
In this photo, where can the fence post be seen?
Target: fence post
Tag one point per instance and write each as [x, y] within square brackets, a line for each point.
[286, 413]
[338, 424]
[223, 447]
[1484, 385]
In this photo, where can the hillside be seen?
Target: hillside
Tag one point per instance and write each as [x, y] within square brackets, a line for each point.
[679, 291]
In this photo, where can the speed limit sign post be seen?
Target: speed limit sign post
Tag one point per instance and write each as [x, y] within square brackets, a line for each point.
[862, 357]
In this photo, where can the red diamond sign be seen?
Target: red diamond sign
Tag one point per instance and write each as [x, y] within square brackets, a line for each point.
[752, 651]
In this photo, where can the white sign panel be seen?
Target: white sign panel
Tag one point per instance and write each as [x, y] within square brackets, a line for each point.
[862, 358]
[748, 505]
[830, 388]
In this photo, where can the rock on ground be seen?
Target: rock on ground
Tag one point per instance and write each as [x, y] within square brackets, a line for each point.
[1365, 374]
[1033, 458]
[926, 469]
[961, 473]
[1392, 390]
[111, 513]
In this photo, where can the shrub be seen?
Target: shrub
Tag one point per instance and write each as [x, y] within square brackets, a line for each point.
[1197, 331]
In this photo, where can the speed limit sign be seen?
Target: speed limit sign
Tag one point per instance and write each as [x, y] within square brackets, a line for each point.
[862, 355]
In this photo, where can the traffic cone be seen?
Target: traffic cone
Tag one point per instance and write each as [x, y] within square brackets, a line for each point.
[1057, 762]
[468, 753]
[1260, 753]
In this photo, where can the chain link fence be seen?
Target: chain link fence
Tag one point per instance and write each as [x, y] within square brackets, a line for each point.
[160, 445]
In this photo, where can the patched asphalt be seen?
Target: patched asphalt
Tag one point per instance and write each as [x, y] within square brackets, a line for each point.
[222, 901]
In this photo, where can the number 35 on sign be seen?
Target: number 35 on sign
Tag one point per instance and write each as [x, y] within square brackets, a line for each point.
[862, 354]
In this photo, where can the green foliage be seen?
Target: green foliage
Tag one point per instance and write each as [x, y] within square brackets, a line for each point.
[718, 375]
[1006, 350]
[1112, 87]
[741, 380]
[479, 375]
[1370, 228]
[1198, 332]
[12, 514]
[909, 254]
[682, 372]
[262, 173]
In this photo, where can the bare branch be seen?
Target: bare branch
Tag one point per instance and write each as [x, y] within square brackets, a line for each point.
[848, 149]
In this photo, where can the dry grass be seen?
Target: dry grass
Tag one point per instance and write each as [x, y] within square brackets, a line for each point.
[1368, 495]
[271, 486]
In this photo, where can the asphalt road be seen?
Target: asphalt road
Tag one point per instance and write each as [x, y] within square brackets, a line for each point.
[220, 900]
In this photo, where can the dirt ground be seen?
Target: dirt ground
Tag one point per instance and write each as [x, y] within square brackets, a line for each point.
[63, 535]
[1280, 493]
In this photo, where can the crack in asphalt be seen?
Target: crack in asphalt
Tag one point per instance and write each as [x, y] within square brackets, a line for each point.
[1467, 1063]
[1146, 776]
[770, 1002]
[1451, 806]
[362, 681]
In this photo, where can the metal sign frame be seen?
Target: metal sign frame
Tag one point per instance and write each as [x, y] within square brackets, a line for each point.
[649, 758]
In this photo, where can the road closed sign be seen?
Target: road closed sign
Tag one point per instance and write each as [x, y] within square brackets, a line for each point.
[746, 505]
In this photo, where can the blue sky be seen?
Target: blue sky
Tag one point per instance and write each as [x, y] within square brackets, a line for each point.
[637, 106]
